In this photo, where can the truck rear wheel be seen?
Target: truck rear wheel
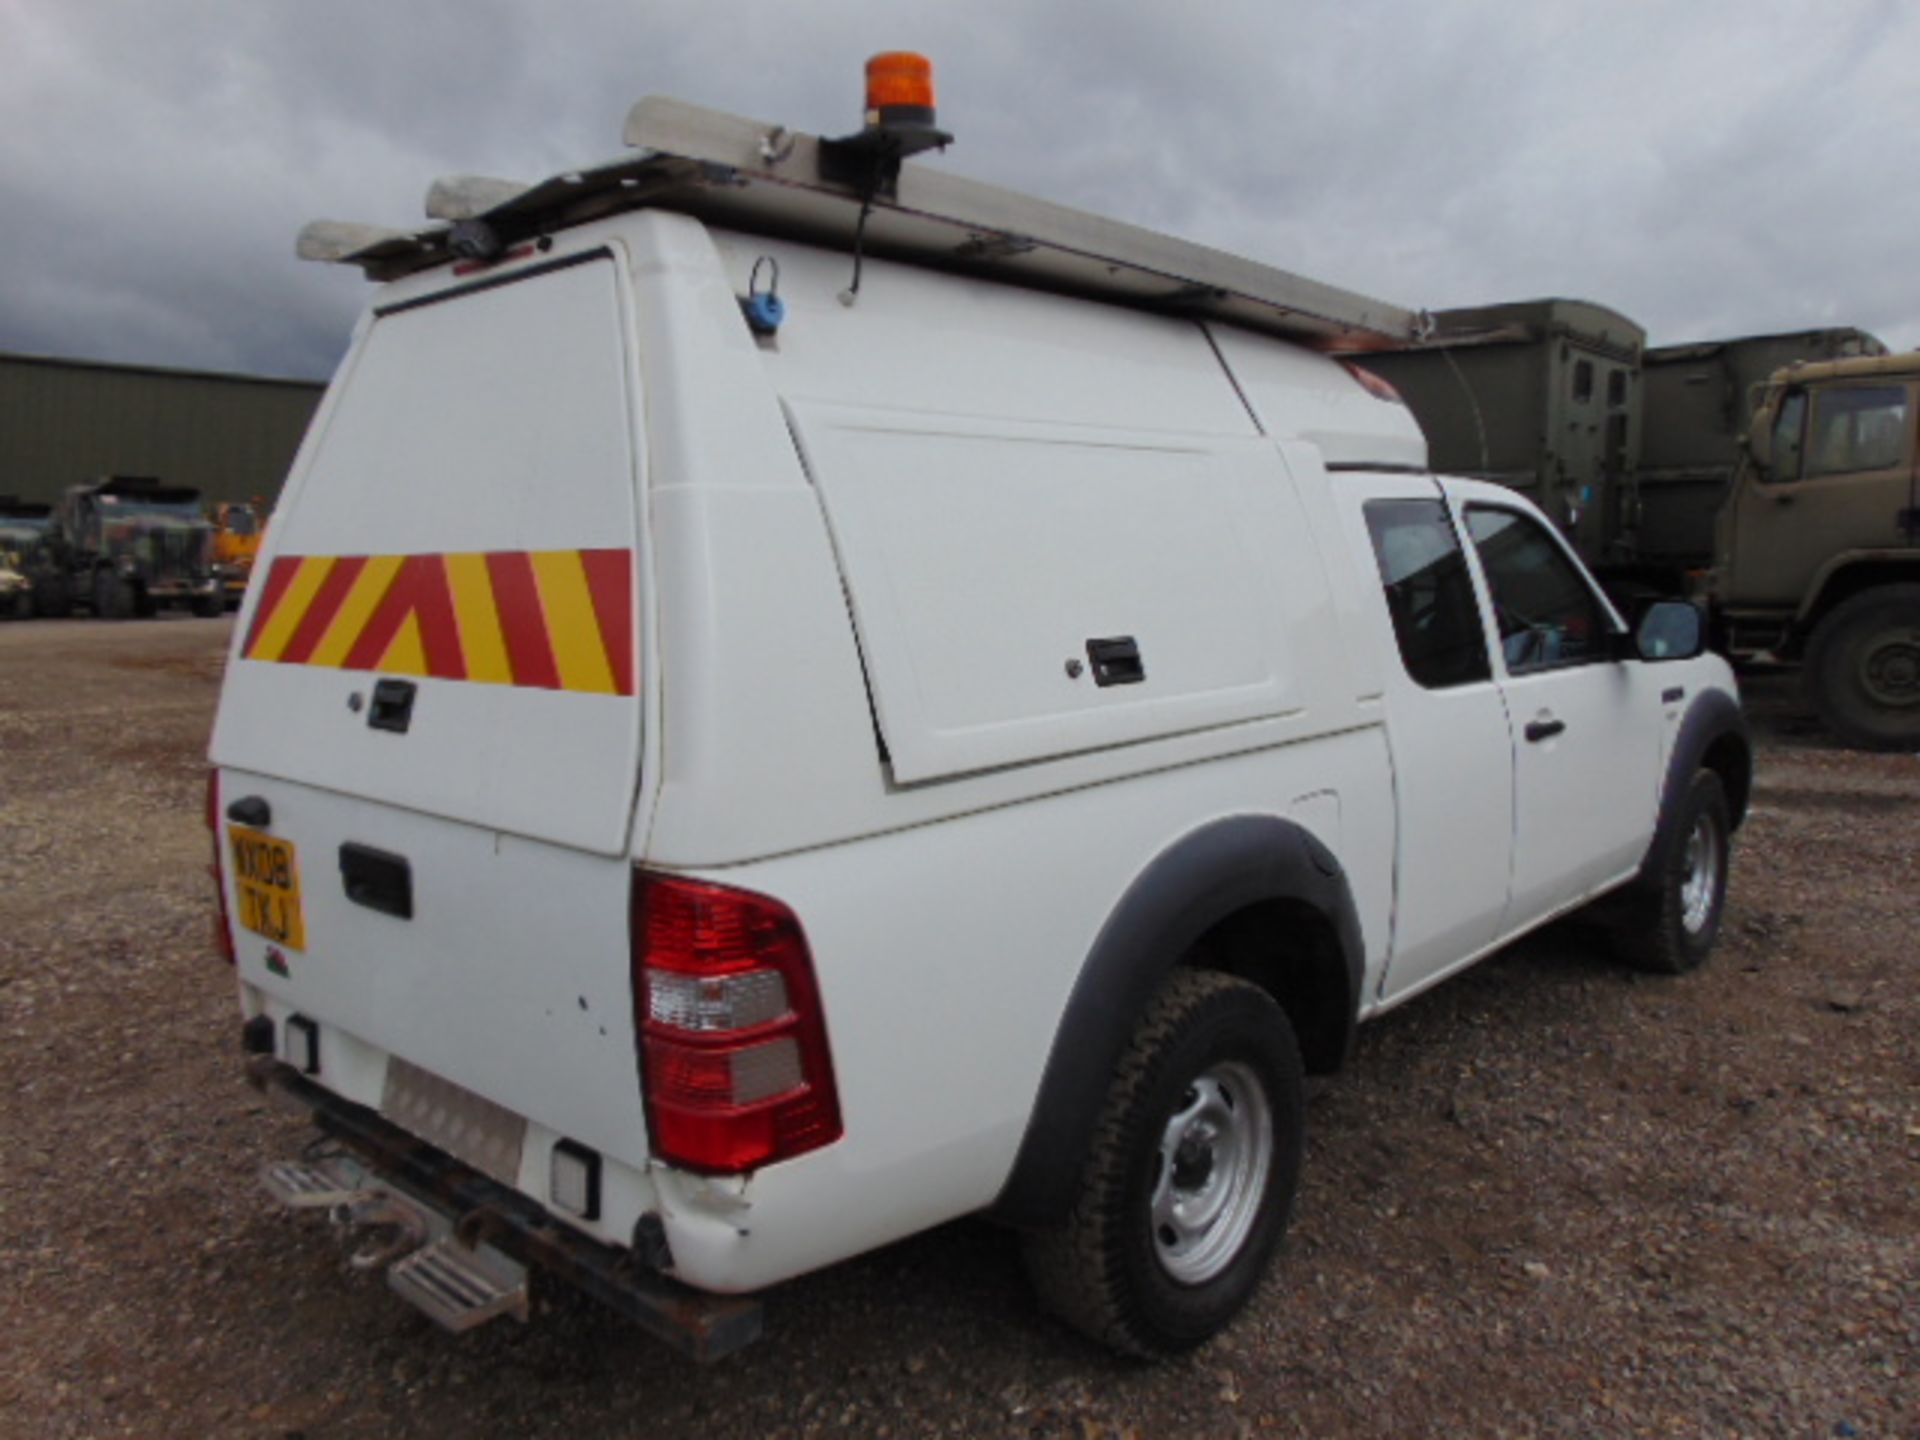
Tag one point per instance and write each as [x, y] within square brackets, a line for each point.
[1862, 670]
[1189, 1181]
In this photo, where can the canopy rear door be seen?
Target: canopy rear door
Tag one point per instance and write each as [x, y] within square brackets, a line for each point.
[444, 618]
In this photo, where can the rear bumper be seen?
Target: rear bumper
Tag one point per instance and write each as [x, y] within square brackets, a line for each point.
[701, 1326]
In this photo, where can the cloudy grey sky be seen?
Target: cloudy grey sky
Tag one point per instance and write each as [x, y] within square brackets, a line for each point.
[1709, 168]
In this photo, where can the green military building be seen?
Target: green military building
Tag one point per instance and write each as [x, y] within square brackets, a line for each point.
[66, 421]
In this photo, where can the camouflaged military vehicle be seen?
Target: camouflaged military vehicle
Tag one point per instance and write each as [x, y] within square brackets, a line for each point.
[33, 577]
[1817, 550]
[137, 545]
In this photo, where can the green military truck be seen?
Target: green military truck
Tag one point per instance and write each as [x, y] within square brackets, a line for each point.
[1695, 401]
[1636, 451]
[1817, 550]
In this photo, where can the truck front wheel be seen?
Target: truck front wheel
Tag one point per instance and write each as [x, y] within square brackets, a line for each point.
[1190, 1177]
[1862, 670]
[112, 596]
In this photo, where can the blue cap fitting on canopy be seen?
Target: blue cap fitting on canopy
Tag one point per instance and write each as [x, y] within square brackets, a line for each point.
[764, 312]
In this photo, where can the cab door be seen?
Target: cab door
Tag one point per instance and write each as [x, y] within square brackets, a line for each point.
[1841, 478]
[1586, 729]
[1447, 727]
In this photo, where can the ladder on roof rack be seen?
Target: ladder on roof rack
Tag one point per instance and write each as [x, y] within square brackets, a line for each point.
[739, 172]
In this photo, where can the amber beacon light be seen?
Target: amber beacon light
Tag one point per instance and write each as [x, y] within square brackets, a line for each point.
[898, 122]
[899, 89]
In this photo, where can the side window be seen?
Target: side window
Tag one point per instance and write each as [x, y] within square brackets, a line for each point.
[1789, 431]
[1429, 594]
[1863, 428]
[1547, 613]
[1582, 381]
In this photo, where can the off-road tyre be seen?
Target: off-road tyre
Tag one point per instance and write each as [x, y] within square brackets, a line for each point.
[1667, 921]
[209, 607]
[112, 596]
[1862, 669]
[1103, 1270]
[20, 605]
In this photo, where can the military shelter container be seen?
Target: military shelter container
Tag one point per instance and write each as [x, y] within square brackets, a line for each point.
[1541, 396]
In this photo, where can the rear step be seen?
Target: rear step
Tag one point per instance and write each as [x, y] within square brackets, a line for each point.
[461, 1288]
[415, 1196]
[320, 1185]
[457, 1285]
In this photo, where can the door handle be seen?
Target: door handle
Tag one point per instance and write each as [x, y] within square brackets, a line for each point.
[377, 879]
[1538, 730]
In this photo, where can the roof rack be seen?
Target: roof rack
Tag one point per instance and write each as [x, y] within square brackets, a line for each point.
[750, 175]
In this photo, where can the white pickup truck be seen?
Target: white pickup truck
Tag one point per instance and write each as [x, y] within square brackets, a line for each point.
[778, 710]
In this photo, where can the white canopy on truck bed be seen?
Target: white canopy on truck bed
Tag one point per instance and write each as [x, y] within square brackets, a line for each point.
[749, 175]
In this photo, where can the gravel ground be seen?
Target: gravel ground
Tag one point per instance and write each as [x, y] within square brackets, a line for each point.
[1550, 1198]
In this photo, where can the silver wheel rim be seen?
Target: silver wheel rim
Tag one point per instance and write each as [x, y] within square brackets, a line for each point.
[1702, 875]
[1210, 1173]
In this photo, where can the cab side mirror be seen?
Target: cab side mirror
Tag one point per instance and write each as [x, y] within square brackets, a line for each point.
[1670, 630]
[1758, 443]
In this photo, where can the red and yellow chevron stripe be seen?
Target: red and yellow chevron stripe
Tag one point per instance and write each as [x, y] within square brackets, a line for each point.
[551, 619]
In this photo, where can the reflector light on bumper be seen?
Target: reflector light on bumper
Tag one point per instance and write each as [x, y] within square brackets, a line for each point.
[573, 1180]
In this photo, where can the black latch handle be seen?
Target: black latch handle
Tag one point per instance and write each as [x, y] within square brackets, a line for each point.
[392, 707]
[251, 810]
[1116, 661]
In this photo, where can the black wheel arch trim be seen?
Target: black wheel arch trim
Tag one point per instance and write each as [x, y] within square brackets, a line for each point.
[1713, 717]
[1200, 880]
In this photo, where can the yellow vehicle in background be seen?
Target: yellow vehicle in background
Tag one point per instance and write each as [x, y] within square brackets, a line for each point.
[237, 529]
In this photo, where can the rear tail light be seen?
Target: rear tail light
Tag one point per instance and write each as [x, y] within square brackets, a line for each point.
[222, 931]
[733, 1044]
